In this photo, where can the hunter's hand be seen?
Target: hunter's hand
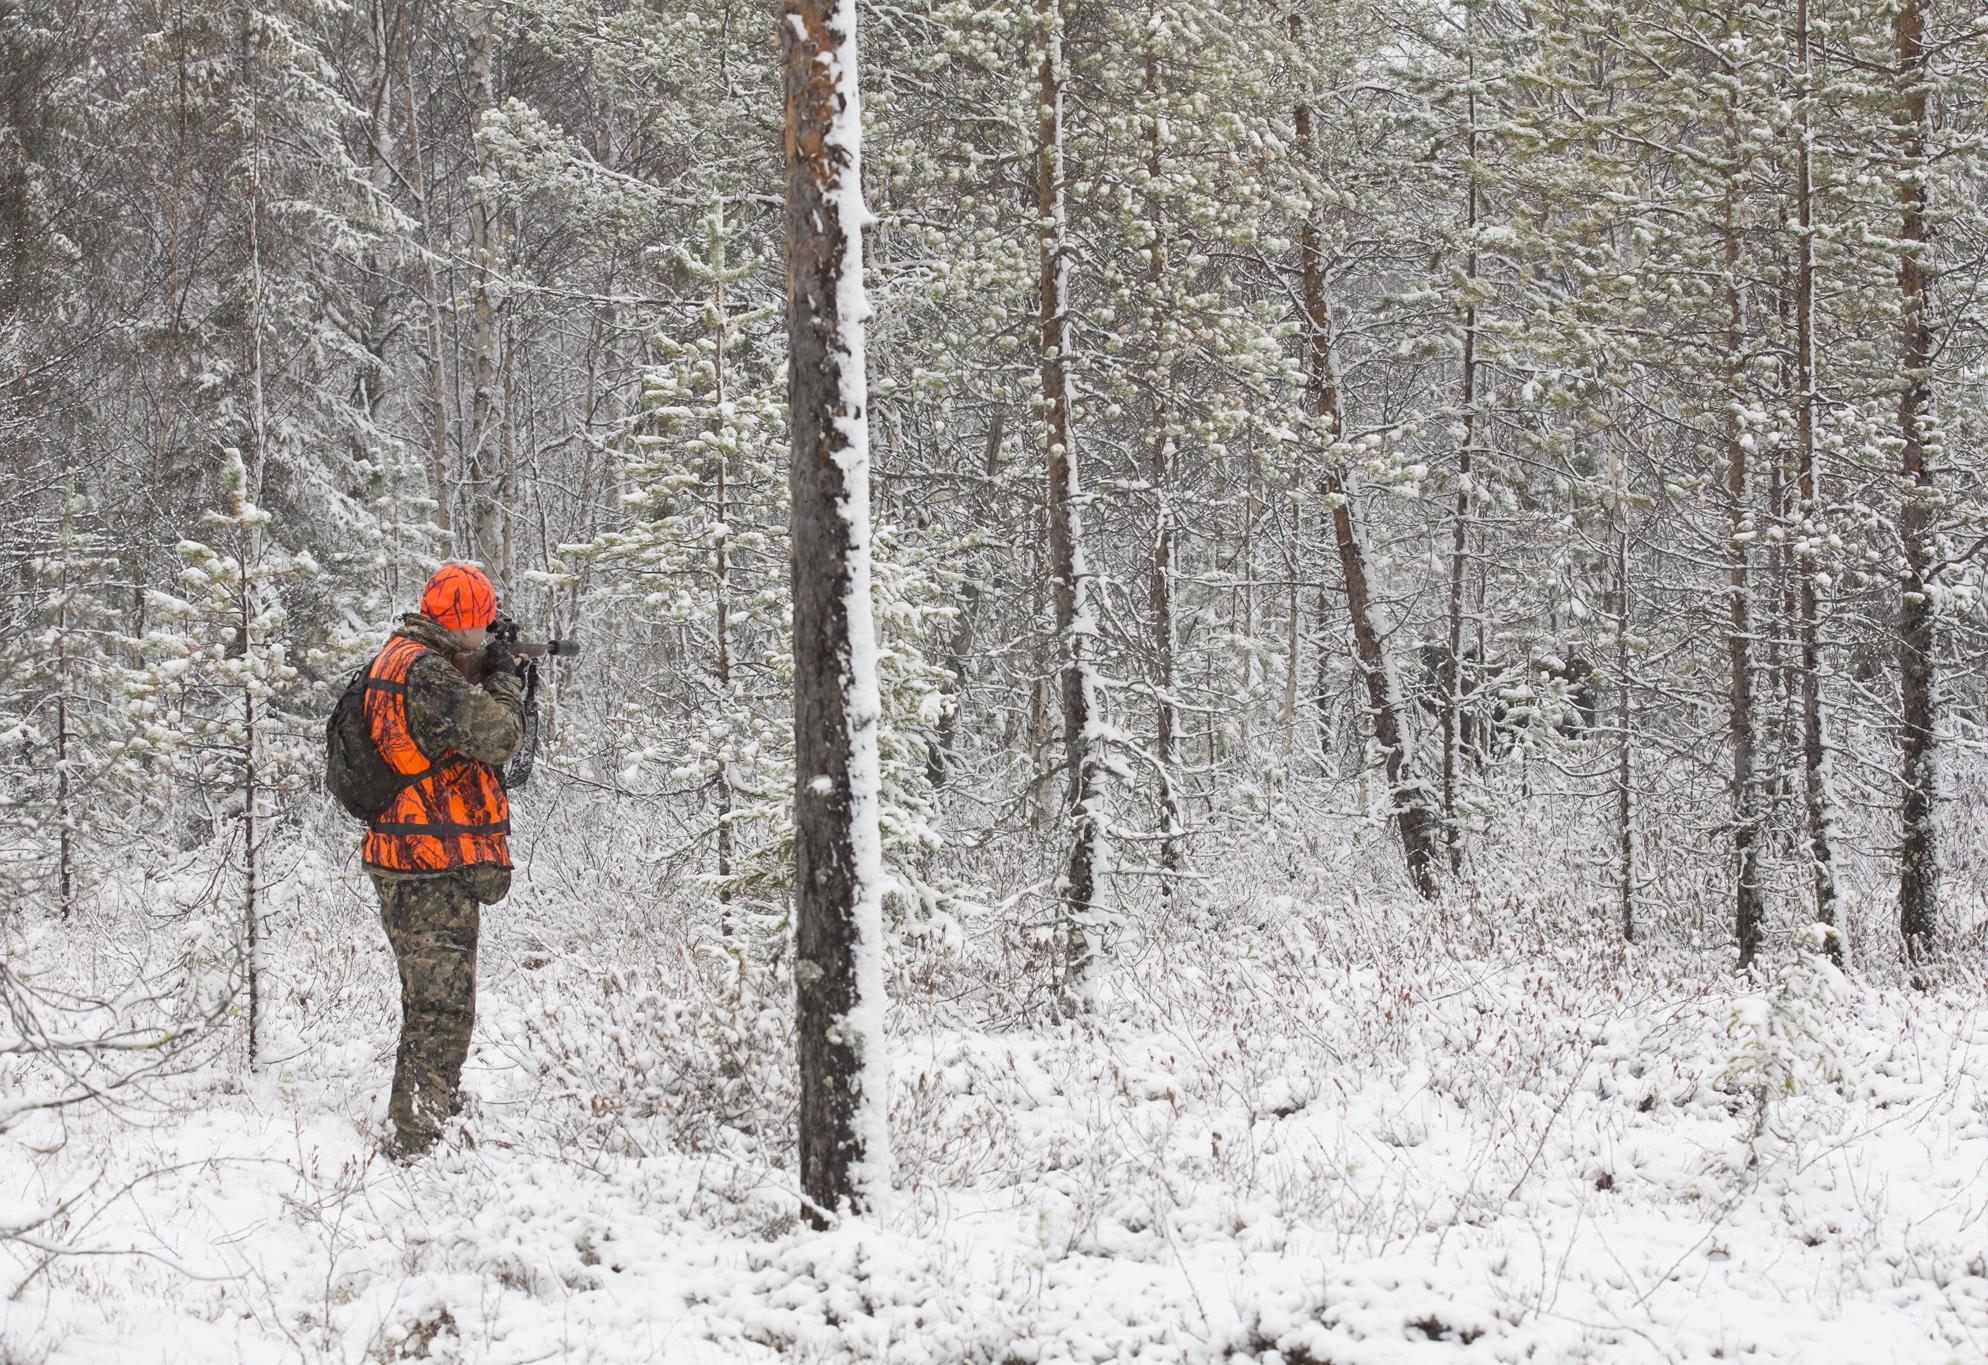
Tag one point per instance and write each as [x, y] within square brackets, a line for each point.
[499, 662]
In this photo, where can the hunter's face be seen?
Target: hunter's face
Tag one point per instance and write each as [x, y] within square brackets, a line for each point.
[475, 639]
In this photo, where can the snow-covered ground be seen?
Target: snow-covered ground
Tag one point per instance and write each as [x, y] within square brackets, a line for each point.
[1311, 1127]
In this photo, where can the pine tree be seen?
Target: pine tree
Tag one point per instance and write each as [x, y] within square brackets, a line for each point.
[219, 659]
[838, 866]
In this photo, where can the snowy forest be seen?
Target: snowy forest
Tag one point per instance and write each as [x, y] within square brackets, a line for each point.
[1318, 671]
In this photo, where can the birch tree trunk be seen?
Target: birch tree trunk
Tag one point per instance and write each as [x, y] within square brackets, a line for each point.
[1918, 882]
[838, 892]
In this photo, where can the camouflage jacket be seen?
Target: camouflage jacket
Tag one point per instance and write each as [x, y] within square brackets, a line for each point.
[444, 712]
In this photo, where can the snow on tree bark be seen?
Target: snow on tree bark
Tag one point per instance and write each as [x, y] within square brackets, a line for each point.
[1166, 747]
[1815, 767]
[1413, 819]
[1748, 907]
[1075, 625]
[1918, 882]
[1452, 699]
[845, 1158]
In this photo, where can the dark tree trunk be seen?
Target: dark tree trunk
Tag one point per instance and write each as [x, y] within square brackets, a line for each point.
[1413, 819]
[1625, 830]
[838, 957]
[1918, 882]
[721, 588]
[1066, 553]
[1452, 704]
[1165, 727]
[1748, 916]
[1814, 761]
[248, 550]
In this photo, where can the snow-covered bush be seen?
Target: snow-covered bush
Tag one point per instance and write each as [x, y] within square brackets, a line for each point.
[637, 1058]
[1783, 1035]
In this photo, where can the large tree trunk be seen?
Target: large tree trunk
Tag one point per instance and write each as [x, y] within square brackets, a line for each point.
[1413, 819]
[1918, 883]
[1075, 626]
[838, 890]
[1815, 763]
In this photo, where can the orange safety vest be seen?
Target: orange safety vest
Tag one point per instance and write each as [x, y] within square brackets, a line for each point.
[453, 812]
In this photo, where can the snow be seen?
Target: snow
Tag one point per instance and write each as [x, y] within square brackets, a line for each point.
[863, 706]
[1319, 1126]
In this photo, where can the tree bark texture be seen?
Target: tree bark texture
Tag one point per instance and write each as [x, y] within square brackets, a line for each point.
[1815, 764]
[1413, 820]
[249, 550]
[1918, 882]
[1625, 830]
[1747, 914]
[838, 913]
[1068, 572]
[1165, 738]
[721, 587]
[1460, 515]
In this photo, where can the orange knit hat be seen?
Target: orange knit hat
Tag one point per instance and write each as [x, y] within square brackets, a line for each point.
[460, 597]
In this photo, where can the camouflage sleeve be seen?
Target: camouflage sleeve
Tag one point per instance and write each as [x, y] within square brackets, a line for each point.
[444, 712]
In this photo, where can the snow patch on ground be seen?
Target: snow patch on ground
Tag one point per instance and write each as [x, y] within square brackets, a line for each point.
[1303, 1131]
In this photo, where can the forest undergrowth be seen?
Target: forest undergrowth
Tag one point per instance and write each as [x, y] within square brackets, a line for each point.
[1312, 1120]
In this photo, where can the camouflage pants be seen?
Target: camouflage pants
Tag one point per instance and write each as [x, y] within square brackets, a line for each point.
[432, 923]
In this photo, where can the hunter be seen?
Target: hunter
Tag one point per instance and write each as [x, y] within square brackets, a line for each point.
[439, 851]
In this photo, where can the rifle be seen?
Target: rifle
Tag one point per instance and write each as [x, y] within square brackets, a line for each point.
[474, 666]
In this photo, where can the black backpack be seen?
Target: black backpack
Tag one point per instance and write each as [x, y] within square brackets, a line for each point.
[365, 783]
[362, 781]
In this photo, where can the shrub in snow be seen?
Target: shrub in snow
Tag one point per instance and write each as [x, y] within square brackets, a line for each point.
[1375, 1311]
[859, 1294]
[668, 1054]
[1782, 1035]
[209, 962]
